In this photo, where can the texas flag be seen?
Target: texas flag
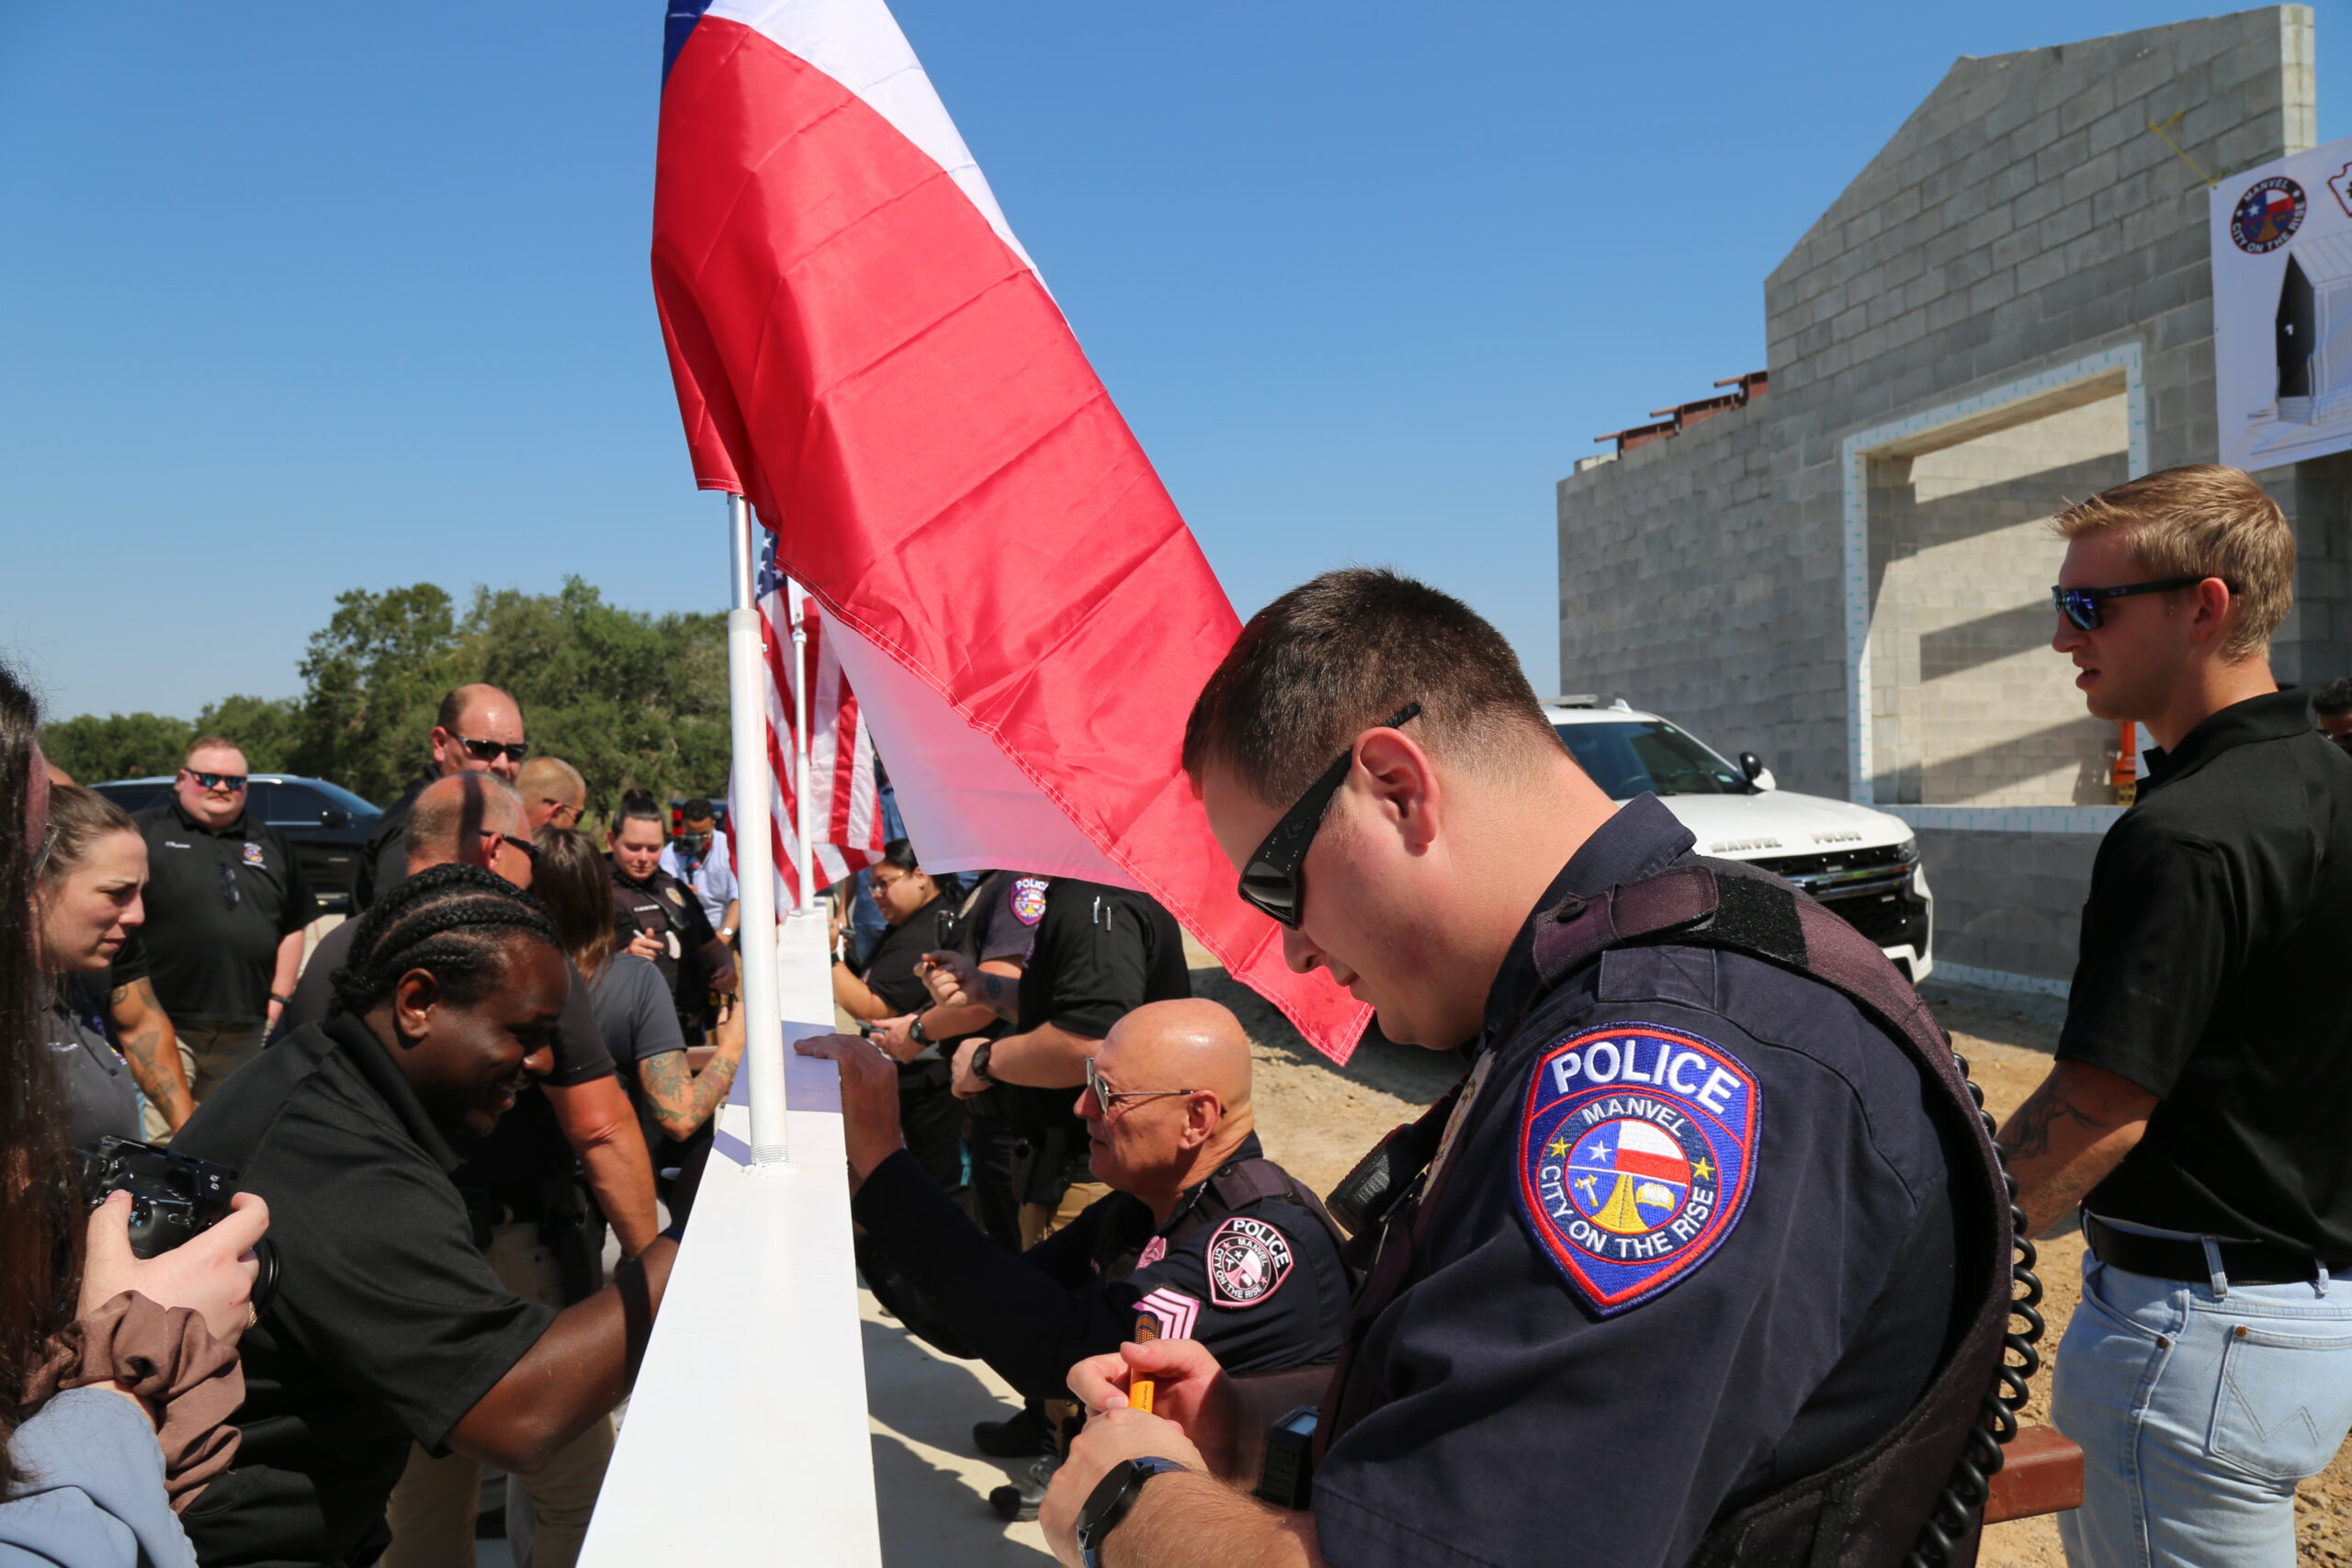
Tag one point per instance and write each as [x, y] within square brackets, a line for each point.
[863, 351]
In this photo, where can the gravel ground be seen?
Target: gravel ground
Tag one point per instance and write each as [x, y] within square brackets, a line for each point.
[1317, 1120]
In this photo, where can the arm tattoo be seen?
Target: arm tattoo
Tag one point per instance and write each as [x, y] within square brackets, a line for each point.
[2028, 1134]
[150, 1046]
[683, 1101]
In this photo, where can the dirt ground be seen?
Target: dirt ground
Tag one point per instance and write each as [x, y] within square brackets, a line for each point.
[1317, 1120]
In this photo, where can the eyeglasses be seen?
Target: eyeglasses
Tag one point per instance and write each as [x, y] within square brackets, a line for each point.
[490, 750]
[558, 809]
[228, 893]
[41, 855]
[1106, 1097]
[1275, 880]
[529, 850]
[232, 783]
[2080, 605]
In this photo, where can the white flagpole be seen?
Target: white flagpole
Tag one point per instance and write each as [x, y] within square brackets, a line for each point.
[808, 746]
[755, 850]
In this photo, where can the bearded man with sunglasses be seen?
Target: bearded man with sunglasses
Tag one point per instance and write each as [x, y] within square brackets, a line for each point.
[2198, 1113]
[1687, 1230]
[478, 730]
[226, 905]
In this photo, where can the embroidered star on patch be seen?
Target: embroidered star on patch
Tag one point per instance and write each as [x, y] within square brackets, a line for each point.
[1637, 1154]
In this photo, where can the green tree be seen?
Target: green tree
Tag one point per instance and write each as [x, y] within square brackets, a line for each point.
[373, 677]
[119, 746]
[630, 699]
[267, 730]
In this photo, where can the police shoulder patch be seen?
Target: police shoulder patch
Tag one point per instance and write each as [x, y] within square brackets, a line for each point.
[1029, 900]
[1249, 1260]
[1637, 1152]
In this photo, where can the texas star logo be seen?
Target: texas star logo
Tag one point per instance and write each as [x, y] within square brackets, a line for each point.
[1249, 1260]
[1637, 1152]
[2267, 215]
[1029, 900]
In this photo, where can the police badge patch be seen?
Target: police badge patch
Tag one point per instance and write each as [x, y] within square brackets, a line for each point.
[1637, 1156]
[252, 855]
[1249, 1260]
[1029, 900]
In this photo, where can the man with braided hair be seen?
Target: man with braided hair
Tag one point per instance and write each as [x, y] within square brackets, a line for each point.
[543, 1240]
[389, 1327]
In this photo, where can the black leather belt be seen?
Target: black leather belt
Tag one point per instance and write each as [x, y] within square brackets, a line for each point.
[2244, 1262]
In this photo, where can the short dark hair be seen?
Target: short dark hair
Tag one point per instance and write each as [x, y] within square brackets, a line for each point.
[2336, 696]
[455, 921]
[697, 811]
[1333, 657]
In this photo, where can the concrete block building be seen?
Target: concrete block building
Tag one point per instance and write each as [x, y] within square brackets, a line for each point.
[1846, 570]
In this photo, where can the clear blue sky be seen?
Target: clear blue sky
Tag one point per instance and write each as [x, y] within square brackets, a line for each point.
[305, 298]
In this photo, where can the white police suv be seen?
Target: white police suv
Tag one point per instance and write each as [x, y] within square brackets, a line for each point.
[1862, 863]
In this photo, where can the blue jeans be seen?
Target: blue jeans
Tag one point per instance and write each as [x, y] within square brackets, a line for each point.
[2198, 1411]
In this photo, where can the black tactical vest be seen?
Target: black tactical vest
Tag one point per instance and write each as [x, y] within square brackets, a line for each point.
[1867, 1510]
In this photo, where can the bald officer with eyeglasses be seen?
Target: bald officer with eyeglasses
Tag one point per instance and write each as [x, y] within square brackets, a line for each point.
[226, 904]
[478, 730]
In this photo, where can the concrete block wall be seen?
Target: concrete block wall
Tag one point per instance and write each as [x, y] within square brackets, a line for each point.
[1971, 706]
[2023, 218]
[2009, 903]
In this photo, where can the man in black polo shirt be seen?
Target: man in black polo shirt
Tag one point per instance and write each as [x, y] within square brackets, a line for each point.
[518, 1183]
[388, 1327]
[479, 730]
[2199, 1106]
[1098, 953]
[226, 905]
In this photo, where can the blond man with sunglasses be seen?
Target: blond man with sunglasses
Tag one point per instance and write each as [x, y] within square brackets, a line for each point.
[2197, 1112]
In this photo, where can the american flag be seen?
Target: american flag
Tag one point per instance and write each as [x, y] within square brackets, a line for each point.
[846, 806]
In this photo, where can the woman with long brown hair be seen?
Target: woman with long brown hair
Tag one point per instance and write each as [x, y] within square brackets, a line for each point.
[99, 1448]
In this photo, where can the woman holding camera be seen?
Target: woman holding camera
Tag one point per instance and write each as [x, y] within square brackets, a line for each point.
[116, 1372]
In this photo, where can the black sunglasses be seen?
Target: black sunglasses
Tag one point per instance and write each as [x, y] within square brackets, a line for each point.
[530, 851]
[1273, 881]
[230, 895]
[230, 782]
[2080, 605]
[490, 750]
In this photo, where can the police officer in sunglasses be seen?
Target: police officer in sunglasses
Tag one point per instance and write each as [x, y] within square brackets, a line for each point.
[1685, 1233]
[479, 729]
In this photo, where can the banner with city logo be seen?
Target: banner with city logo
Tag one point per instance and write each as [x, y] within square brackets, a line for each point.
[2282, 308]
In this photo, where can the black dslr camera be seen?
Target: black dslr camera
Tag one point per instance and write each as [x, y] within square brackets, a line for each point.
[174, 1199]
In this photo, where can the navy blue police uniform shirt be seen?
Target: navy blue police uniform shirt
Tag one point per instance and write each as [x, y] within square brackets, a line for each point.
[1698, 1240]
[1263, 1287]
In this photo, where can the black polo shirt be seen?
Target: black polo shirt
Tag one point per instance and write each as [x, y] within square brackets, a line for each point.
[217, 905]
[2219, 910]
[527, 1146]
[1099, 953]
[1638, 1309]
[388, 1325]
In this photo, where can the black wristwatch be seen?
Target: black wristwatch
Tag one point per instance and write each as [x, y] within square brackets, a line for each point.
[915, 1033]
[1113, 1495]
[980, 1061]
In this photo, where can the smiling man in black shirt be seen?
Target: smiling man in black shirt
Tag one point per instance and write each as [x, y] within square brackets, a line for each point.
[2198, 1108]
[387, 1325]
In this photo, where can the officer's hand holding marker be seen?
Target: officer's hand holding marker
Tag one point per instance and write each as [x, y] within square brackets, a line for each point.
[1189, 1392]
[954, 979]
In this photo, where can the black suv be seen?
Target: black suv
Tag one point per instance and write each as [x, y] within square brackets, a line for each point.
[325, 824]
